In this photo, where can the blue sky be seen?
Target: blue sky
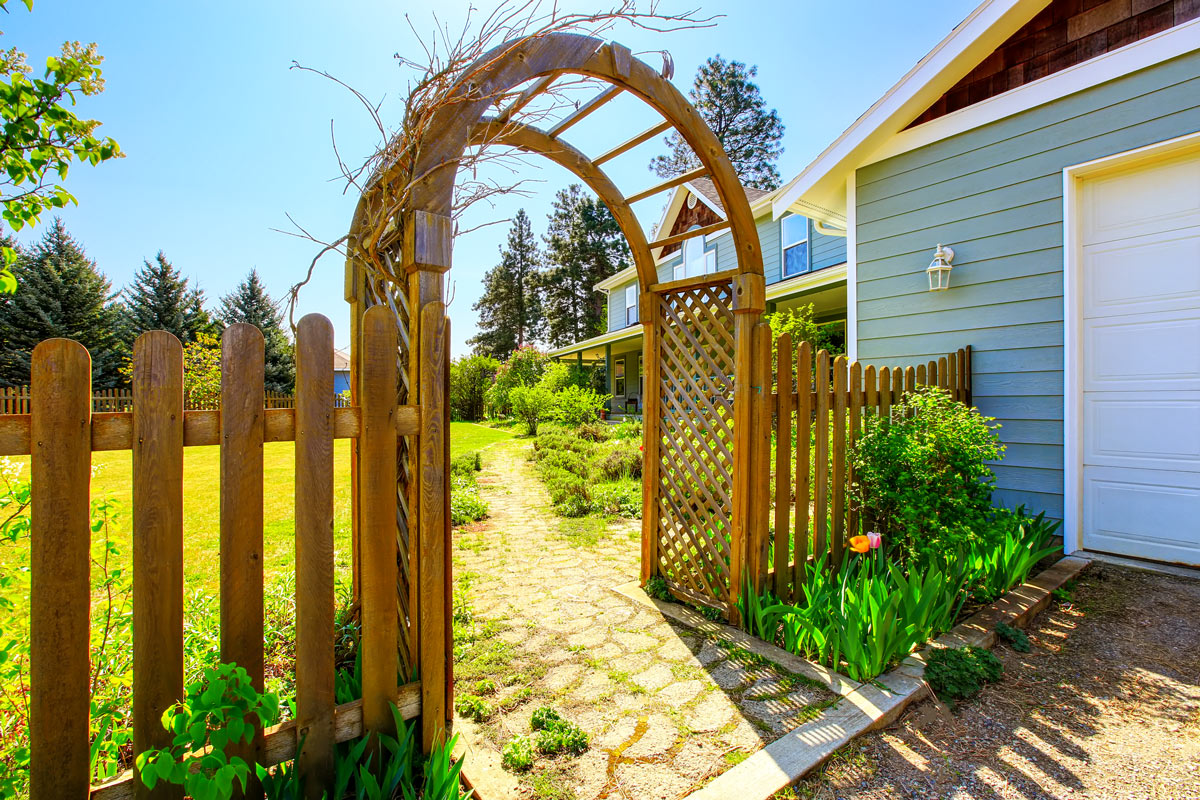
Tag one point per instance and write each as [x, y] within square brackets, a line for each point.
[223, 140]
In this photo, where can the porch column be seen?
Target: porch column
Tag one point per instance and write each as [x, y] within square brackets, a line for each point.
[608, 379]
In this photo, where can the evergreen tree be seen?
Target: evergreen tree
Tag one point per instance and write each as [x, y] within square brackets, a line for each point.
[732, 105]
[584, 245]
[160, 299]
[249, 302]
[62, 295]
[510, 309]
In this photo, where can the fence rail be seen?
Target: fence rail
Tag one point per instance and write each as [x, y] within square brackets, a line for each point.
[15, 400]
[60, 431]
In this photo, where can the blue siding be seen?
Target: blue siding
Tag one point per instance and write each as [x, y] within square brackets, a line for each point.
[995, 195]
[827, 251]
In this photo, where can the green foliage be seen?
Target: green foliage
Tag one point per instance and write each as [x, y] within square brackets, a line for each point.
[467, 463]
[543, 718]
[160, 299]
[585, 477]
[1016, 638]
[465, 503]
[584, 245]
[41, 137]
[62, 294]
[517, 755]
[557, 735]
[524, 367]
[470, 379]
[622, 461]
[510, 308]
[923, 473]
[473, 706]
[212, 716]
[732, 105]
[575, 407]
[798, 322]
[957, 674]
[628, 429]
[202, 371]
[250, 303]
[620, 498]
[656, 587]
[281, 782]
[532, 405]
[1005, 558]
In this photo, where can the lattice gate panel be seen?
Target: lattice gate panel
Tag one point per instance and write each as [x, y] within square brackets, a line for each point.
[383, 292]
[696, 352]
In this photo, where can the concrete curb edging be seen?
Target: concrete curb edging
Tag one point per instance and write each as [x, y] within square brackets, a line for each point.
[862, 707]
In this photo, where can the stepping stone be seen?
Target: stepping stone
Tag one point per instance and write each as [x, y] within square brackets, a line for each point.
[729, 676]
[654, 678]
[652, 781]
[678, 694]
[712, 713]
[605, 651]
[634, 641]
[709, 653]
[617, 734]
[593, 637]
[632, 663]
[594, 686]
[561, 677]
[698, 759]
[676, 651]
[658, 738]
[591, 772]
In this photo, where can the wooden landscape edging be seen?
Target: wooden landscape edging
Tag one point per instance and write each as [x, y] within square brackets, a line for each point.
[861, 707]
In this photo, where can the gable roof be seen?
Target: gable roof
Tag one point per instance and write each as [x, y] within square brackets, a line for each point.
[819, 191]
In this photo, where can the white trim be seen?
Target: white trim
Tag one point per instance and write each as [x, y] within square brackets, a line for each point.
[852, 267]
[1139, 55]
[596, 341]
[613, 281]
[784, 246]
[806, 281]
[1073, 177]
[985, 29]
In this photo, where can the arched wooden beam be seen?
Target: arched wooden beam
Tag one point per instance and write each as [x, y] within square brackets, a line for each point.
[513, 63]
[535, 140]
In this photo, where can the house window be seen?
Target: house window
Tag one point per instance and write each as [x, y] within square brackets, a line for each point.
[631, 309]
[795, 245]
[697, 259]
[619, 378]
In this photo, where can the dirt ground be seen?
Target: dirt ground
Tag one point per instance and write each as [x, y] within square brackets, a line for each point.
[1107, 705]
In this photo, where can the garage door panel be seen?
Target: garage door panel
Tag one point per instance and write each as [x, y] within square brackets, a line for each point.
[1132, 431]
[1122, 278]
[1150, 352]
[1148, 199]
[1143, 513]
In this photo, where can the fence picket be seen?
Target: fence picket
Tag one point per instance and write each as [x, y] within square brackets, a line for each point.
[315, 698]
[61, 594]
[804, 407]
[242, 413]
[157, 542]
[377, 501]
[821, 460]
[838, 530]
[783, 464]
[854, 424]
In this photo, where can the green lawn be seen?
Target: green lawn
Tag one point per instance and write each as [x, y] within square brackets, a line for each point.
[202, 500]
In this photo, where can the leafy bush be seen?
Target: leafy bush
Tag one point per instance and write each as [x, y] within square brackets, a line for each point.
[1006, 558]
[524, 367]
[623, 461]
[517, 755]
[532, 405]
[594, 432]
[466, 463]
[568, 460]
[623, 498]
[557, 440]
[473, 707]
[465, 503]
[628, 429]
[576, 406]
[568, 491]
[543, 718]
[656, 587]
[1016, 638]
[922, 473]
[470, 379]
[956, 674]
[555, 734]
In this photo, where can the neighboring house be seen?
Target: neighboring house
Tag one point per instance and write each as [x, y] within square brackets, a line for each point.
[803, 262]
[341, 371]
[1055, 146]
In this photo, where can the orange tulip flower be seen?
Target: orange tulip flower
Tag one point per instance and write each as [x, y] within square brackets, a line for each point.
[860, 544]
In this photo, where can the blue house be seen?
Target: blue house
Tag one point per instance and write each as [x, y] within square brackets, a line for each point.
[804, 262]
[1054, 148]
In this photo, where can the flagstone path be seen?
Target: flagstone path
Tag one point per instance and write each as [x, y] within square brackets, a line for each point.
[665, 709]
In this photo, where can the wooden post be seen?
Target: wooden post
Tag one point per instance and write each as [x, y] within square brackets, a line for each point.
[838, 535]
[650, 312]
[60, 596]
[783, 464]
[242, 413]
[314, 554]
[803, 459]
[355, 293]
[760, 516]
[749, 293]
[157, 542]
[377, 505]
[434, 575]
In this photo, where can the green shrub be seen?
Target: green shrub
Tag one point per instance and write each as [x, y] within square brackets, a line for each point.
[543, 718]
[656, 587]
[466, 463]
[555, 734]
[628, 429]
[470, 379]
[594, 432]
[473, 707]
[465, 503]
[623, 461]
[517, 755]
[1006, 557]
[532, 405]
[525, 367]
[922, 473]
[576, 406]
[569, 493]
[956, 674]
[1016, 638]
[575, 463]
[623, 498]
[551, 441]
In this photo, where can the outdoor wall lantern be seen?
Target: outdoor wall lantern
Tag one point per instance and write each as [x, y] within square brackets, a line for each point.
[939, 269]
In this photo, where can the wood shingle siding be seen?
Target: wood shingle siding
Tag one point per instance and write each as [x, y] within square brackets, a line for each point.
[995, 195]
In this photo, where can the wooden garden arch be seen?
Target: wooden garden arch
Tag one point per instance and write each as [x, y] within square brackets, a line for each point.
[701, 336]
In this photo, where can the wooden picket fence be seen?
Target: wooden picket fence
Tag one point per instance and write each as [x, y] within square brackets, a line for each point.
[61, 431]
[819, 403]
[15, 400]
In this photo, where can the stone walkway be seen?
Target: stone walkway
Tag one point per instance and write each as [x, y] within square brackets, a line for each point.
[665, 709]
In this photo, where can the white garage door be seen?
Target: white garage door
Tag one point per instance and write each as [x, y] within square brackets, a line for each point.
[1141, 361]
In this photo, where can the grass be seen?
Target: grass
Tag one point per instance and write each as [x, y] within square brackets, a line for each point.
[112, 479]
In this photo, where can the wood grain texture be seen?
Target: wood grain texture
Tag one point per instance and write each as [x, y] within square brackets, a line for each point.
[377, 506]
[242, 427]
[821, 457]
[651, 434]
[314, 553]
[157, 541]
[783, 466]
[60, 597]
[854, 426]
[761, 481]
[838, 528]
[804, 410]
[435, 415]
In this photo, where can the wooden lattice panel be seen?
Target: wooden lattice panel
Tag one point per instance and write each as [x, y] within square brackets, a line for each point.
[696, 362]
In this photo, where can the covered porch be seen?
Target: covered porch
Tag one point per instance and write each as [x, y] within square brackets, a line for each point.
[619, 354]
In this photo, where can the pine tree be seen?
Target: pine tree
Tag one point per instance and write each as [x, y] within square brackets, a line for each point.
[732, 105]
[510, 309]
[584, 245]
[160, 299]
[62, 295]
[249, 302]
